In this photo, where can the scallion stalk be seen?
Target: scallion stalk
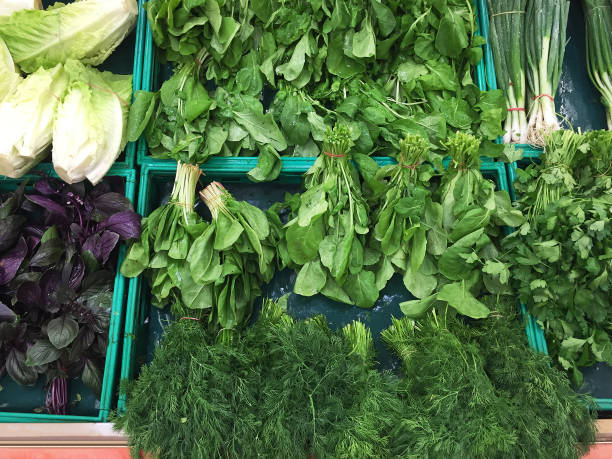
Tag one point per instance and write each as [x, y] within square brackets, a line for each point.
[507, 24]
[545, 34]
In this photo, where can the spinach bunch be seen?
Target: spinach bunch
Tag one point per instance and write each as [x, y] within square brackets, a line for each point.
[186, 122]
[325, 237]
[161, 253]
[403, 216]
[562, 258]
[233, 257]
[213, 33]
[201, 268]
[58, 251]
[476, 389]
[465, 224]
[387, 69]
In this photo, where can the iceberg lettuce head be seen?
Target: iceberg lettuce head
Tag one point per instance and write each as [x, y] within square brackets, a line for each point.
[90, 126]
[9, 77]
[27, 114]
[87, 30]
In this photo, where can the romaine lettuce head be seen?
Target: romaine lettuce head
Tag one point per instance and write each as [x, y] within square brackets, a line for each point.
[8, 7]
[91, 121]
[9, 76]
[26, 119]
[88, 30]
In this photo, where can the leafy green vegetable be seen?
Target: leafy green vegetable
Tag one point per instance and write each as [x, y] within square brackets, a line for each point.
[561, 260]
[204, 269]
[478, 390]
[90, 124]
[387, 70]
[282, 389]
[286, 388]
[9, 76]
[28, 114]
[85, 31]
[325, 236]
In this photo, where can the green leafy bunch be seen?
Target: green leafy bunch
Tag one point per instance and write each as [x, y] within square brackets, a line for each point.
[185, 122]
[562, 258]
[387, 69]
[200, 268]
[167, 236]
[542, 184]
[477, 390]
[212, 33]
[283, 389]
[286, 389]
[233, 256]
[403, 216]
[464, 224]
[325, 236]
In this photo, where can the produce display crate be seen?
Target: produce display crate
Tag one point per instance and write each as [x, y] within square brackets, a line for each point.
[154, 74]
[145, 323]
[577, 102]
[598, 378]
[127, 58]
[18, 402]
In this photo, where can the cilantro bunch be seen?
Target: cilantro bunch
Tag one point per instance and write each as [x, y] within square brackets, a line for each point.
[562, 258]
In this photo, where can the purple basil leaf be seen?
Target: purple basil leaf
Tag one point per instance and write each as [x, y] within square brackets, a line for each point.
[109, 204]
[18, 370]
[125, 224]
[49, 253]
[49, 284]
[50, 206]
[78, 271]
[44, 187]
[8, 331]
[6, 313]
[101, 245]
[29, 293]
[10, 231]
[32, 242]
[11, 260]
[77, 232]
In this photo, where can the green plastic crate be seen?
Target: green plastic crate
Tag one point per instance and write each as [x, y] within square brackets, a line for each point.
[154, 74]
[577, 100]
[30, 398]
[127, 58]
[145, 323]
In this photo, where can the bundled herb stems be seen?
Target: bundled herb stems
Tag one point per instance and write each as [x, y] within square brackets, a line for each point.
[507, 31]
[598, 14]
[545, 38]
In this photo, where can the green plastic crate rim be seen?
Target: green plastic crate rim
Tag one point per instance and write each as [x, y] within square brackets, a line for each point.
[128, 156]
[136, 314]
[114, 332]
[150, 72]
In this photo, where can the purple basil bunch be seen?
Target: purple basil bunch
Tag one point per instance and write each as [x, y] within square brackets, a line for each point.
[58, 259]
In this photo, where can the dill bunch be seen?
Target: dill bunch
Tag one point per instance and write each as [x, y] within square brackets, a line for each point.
[477, 390]
[283, 389]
